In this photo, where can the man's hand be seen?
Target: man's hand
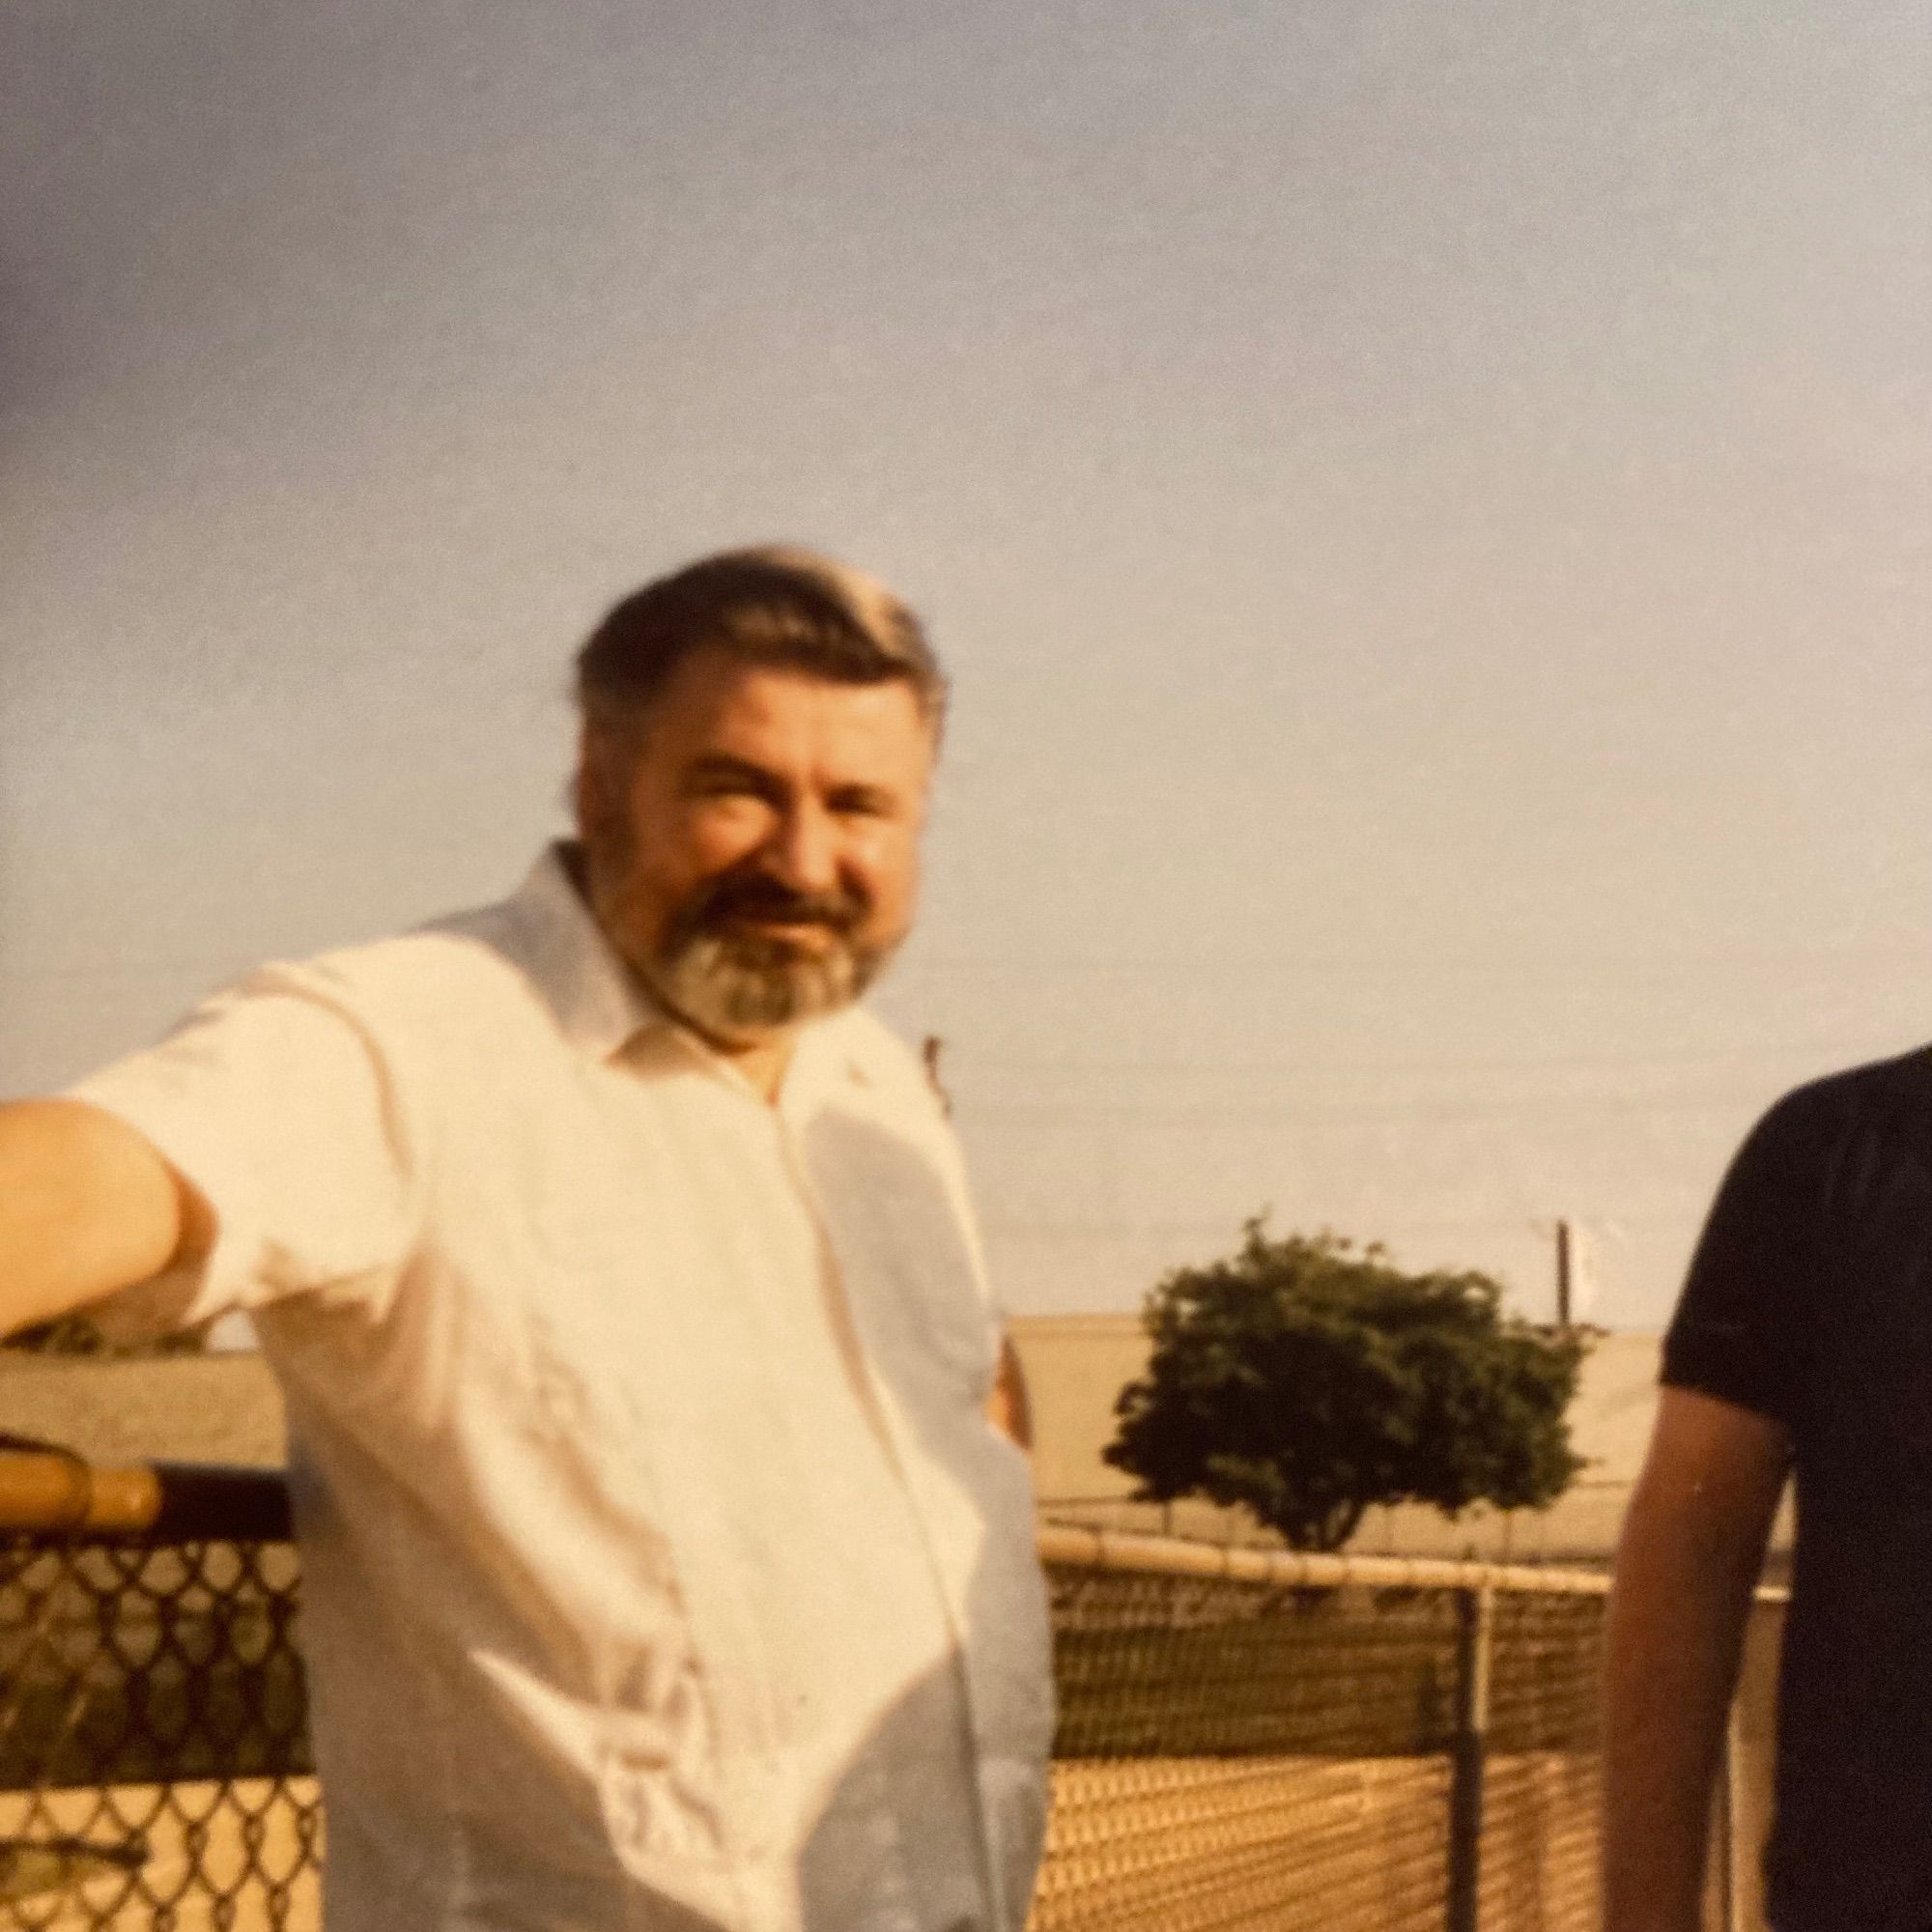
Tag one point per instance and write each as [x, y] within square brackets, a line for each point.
[87, 1206]
[1691, 1549]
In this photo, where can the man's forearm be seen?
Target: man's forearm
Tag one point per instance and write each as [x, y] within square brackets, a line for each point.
[86, 1206]
[1676, 1622]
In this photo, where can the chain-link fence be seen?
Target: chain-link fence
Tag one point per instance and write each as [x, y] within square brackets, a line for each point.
[1304, 1743]
[1266, 1739]
[154, 1746]
[1246, 1739]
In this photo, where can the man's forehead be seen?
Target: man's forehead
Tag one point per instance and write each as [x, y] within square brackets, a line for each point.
[715, 699]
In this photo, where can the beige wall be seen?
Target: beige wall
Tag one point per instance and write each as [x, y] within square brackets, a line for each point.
[187, 1409]
[1075, 1366]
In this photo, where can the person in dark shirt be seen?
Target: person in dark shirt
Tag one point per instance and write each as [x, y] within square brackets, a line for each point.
[1802, 1347]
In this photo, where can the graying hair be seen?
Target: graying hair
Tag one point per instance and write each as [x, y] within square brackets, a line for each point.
[771, 605]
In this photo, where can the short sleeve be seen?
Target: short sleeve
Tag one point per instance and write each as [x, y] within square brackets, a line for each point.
[275, 1104]
[1743, 1329]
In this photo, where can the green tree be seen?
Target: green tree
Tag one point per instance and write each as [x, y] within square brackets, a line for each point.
[1309, 1380]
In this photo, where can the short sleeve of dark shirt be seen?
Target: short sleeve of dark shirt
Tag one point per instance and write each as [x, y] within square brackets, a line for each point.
[1743, 1325]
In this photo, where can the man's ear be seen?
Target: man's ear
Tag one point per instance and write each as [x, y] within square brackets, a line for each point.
[593, 794]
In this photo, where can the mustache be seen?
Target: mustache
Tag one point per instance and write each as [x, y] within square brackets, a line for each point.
[756, 896]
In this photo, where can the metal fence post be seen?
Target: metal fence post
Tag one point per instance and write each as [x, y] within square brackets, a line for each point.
[1475, 1620]
[1730, 1825]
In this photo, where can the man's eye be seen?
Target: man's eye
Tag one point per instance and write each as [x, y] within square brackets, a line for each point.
[860, 804]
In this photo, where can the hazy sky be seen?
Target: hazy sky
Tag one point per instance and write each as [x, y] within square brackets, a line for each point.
[1427, 506]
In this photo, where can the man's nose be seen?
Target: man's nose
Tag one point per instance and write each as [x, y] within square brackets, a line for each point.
[802, 850]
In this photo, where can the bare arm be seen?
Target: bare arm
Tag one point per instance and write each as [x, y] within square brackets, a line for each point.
[1691, 1549]
[87, 1206]
[1009, 1410]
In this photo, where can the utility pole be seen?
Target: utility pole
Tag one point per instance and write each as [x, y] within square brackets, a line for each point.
[1565, 1272]
[930, 1049]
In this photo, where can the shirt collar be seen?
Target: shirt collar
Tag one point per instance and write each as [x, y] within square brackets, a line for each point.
[604, 1010]
[599, 1003]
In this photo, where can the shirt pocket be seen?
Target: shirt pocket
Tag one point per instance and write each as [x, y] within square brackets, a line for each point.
[657, 1778]
[690, 1825]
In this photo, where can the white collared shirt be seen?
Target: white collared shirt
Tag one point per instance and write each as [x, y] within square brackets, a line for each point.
[660, 1568]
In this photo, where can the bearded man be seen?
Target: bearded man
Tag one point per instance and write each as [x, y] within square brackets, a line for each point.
[663, 1568]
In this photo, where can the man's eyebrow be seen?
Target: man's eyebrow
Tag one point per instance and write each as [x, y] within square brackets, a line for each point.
[724, 765]
[864, 792]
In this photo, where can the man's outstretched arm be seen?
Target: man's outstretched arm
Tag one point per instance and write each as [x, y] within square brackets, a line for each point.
[1691, 1549]
[87, 1206]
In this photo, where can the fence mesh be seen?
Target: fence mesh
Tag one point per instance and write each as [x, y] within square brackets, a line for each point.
[1234, 1755]
[1541, 1784]
[1232, 1752]
[154, 1749]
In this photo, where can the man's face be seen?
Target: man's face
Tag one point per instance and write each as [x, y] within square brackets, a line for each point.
[753, 847]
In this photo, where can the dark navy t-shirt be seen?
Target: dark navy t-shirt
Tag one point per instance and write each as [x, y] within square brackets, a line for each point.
[1809, 1300]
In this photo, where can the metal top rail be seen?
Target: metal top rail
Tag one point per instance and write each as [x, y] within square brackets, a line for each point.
[1300, 1569]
